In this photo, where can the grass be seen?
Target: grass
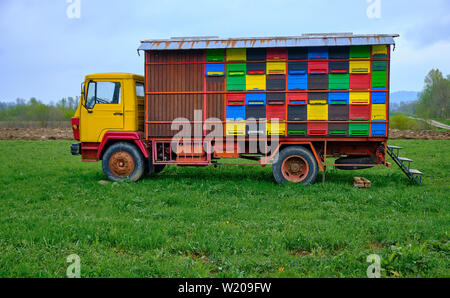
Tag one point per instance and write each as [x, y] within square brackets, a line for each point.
[403, 122]
[444, 121]
[225, 222]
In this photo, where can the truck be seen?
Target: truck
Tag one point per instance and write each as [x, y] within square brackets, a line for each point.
[301, 104]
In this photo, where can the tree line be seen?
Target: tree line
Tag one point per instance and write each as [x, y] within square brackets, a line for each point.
[434, 100]
[34, 110]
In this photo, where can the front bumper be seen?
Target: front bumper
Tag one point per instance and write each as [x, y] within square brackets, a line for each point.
[75, 149]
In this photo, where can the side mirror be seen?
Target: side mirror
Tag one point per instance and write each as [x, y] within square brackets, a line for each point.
[83, 98]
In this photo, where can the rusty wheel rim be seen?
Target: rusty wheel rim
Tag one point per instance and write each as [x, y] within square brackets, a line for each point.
[295, 169]
[121, 164]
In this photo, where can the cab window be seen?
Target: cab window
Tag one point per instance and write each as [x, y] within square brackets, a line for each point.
[140, 90]
[103, 93]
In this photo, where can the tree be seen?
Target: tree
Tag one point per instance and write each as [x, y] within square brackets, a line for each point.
[434, 100]
[433, 77]
[20, 101]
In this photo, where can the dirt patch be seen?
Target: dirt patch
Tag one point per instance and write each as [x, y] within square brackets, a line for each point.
[41, 134]
[301, 253]
[44, 134]
[375, 246]
[200, 256]
[419, 134]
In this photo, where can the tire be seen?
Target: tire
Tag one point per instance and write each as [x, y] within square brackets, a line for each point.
[295, 164]
[356, 160]
[159, 168]
[123, 161]
[152, 169]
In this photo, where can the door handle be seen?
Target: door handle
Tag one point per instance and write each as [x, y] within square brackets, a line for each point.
[118, 114]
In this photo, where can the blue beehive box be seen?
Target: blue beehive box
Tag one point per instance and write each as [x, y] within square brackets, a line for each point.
[256, 99]
[378, 129]
[339, 98]
[379, 97]
[298, 82]
[215, 70]
[235, 113]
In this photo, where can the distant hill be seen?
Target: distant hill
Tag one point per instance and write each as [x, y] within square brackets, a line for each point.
[405, 96]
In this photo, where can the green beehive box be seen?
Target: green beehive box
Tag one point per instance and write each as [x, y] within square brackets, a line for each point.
[338, 132]
[339, 81]
[297, 132]
[236, 76]
[360, 52]
[379, 65]
[359, 129]
[379, 79]
[338, 129]
[215, 55]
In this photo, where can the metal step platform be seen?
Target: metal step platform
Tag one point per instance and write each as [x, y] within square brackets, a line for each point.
[404, 164]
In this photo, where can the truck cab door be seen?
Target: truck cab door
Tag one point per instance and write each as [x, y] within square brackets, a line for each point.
[104, 110]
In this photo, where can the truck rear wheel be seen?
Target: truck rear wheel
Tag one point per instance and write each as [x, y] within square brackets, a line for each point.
[297, 165]
[123, 161]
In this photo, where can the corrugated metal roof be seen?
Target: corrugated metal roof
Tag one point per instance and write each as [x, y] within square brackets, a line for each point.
[305, 40]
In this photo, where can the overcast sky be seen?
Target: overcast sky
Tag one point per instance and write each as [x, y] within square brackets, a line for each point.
[45, 54]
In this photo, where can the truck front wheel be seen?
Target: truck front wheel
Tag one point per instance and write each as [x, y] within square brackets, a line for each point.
[123, 161]
[297, 165]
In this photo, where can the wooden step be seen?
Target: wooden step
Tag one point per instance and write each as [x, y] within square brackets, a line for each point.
[405, 159]
[416, 172]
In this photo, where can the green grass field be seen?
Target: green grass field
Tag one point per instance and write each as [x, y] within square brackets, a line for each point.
[225, 222]
[444, 121]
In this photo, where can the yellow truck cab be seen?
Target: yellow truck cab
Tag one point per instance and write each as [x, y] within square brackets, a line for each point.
[111, 110]
[110, 102]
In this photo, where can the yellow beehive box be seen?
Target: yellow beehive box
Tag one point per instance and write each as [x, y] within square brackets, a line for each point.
[318, 101]
[379, 112]
[236, 54]
[317, 112]
[360, 67]
[359, 98]
[379, 50]
[276, 68]
[256, 82]
[276, 128]
[235, 128]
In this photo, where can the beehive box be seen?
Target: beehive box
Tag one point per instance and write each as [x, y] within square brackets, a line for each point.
[344, 88]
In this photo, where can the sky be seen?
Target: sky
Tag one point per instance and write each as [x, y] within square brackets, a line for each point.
[46, 52]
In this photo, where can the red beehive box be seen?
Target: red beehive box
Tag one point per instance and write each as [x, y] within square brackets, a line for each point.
[297, 98]
[359, 112]
[317, 129]
[317, 67]
[236, 99]
[276, 112]
[360, 81]
[275, 54]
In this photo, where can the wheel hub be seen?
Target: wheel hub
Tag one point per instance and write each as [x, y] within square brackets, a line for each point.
[121, 164]
[295, 169]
